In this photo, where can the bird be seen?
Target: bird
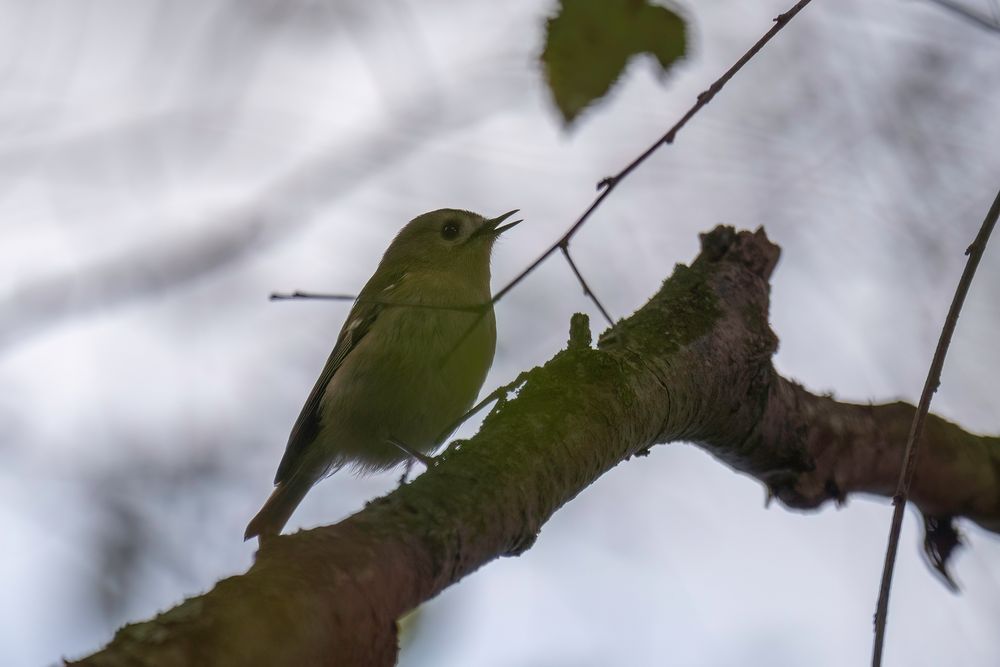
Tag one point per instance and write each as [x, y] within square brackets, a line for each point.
[408, 363]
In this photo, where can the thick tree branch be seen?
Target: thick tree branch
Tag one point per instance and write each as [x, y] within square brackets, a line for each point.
[693, 364]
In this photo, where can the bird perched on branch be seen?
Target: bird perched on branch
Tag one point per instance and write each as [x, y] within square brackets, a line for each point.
[409, 361]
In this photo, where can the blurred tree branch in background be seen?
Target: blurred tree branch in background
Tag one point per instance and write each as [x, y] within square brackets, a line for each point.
[693, 364]
[974, 17]
[276, 211]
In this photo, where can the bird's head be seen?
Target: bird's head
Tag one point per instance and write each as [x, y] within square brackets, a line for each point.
[448, 241]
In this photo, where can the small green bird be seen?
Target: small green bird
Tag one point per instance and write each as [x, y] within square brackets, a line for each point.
[406, 365]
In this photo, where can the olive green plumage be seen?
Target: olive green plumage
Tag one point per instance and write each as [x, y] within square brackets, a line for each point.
[405, 366]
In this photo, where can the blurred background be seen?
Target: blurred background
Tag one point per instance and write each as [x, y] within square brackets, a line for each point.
[165, 166]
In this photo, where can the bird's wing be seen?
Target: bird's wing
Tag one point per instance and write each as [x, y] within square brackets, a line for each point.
[359, 322]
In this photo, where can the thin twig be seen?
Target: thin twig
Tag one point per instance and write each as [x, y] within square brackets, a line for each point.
[586, 288]
[975, 253]
[975, 17]
[277, 296]
[610, 183]
[469, 308]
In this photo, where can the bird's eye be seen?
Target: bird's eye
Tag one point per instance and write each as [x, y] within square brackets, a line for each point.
[450, 231]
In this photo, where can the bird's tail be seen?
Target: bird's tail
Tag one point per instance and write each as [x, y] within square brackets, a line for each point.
[275, 513]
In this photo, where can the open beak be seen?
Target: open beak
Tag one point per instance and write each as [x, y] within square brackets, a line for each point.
[495, 228]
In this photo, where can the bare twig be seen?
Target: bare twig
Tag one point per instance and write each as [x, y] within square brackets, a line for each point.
[977, 18]
[586, 288]
[975, 253]
[610, 183]
[297, 294]
[464, 308]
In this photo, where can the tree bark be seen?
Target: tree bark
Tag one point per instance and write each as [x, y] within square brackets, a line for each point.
[693, 364]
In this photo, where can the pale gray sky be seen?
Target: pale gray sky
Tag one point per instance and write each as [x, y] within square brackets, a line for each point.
[166, 165]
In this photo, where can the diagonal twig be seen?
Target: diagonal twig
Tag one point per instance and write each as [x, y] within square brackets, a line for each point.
[607, 185]
[463, 308]
[975, 253]
[586, 288]
[298, 294]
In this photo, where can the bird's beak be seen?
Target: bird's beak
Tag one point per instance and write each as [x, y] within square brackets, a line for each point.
[495, 228]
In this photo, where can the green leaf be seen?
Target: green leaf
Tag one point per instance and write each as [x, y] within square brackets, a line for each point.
[589, 43]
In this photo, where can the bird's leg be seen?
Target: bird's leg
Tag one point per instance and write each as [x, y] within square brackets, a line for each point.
[428, 461]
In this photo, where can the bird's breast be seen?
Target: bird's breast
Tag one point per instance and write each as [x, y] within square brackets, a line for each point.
[413, 375]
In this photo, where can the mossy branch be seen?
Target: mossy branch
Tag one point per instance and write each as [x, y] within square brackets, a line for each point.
[693, 364]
